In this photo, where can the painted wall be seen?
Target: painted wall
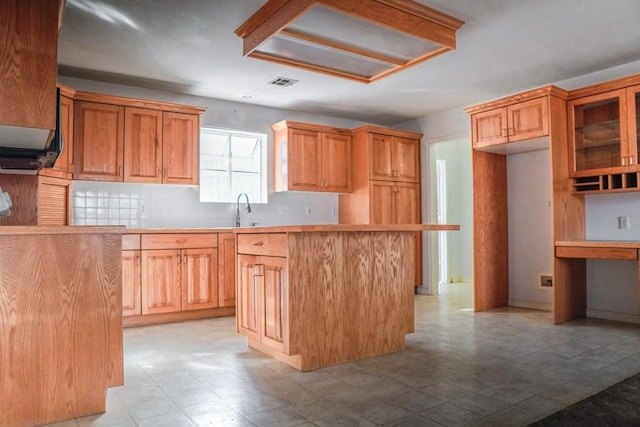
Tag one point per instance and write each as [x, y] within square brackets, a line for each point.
[148, 205]
[530, 234]
[450, 130]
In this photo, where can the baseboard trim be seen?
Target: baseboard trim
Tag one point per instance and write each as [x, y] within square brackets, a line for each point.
[610, 315]
[532, 305]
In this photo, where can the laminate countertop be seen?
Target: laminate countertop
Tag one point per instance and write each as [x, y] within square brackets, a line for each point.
[12, 230]
[319, 228]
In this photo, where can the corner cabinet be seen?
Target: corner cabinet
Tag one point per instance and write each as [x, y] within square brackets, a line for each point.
[386, 182]
[132, 140]
[312, 158]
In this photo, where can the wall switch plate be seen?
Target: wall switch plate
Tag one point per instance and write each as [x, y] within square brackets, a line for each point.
[545, 281]
[623, 223]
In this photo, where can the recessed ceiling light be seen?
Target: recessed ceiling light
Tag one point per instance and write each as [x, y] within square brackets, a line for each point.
[247, 96]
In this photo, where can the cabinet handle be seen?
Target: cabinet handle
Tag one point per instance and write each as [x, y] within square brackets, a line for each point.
[138, 260]
[504, 132]
[258, 244]
[184, 259]
[181, 240]
[119, 170]
[165, 172]
[630, 160]
[624, 161]
[158, 172]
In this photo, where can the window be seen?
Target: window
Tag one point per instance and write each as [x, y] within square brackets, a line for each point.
[232, 162]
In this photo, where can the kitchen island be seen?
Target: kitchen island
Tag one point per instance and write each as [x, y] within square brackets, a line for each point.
[319, 295]
[60, 322]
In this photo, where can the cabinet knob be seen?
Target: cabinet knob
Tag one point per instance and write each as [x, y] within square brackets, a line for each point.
[258, 244]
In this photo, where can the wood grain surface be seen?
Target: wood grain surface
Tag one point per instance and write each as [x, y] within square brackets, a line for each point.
[60, 325]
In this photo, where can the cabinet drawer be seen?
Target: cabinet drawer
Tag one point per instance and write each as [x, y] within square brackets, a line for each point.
[179, 241]
[130, 242]
[263, 244]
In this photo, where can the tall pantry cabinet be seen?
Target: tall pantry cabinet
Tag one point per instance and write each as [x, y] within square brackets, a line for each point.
[386, 182]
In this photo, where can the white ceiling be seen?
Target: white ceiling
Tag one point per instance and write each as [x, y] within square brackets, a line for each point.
[189, 46]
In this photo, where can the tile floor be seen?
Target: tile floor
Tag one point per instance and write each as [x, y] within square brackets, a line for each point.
[506, 367]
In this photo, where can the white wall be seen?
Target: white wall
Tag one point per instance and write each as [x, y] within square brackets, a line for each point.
[179, 206]
[447, 127]
[530, 234]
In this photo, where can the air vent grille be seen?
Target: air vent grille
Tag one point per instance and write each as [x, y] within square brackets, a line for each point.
[282, 81]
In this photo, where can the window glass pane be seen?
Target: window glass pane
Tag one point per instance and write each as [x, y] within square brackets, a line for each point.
[214, 186]
[232, 162]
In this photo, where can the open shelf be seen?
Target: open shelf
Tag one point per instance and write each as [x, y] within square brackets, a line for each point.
[609, 183]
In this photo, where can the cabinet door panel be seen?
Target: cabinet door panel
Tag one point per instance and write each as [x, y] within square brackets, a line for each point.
[180, 138]
[303, 153]
[407, 160]
[275, 303]
[599, 144]
[63, 166]
[633, 110]
[381, 154]
[99, 138]
[382, 202]
[131, 303]
[529, 119]
[407, 203]
[248, 293]
[227, 270]
[336, 163]
[489, 128]
[160, 281]
[53, 196]
[199, 278]
[142, 145]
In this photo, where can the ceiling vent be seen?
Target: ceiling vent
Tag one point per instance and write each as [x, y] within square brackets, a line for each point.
[282, 81]
[362, 40]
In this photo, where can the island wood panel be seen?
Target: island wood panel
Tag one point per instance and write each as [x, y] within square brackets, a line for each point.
[490, 238]
[57, 366]
[569, 275]
[351, 295]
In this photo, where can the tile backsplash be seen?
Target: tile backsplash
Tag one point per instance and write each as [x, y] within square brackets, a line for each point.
[172, 206]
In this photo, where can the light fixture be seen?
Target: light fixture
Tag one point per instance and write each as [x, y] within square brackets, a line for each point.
[362, 40]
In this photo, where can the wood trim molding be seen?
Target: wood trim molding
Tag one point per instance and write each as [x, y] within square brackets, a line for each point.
[520, 97]
[139, 103]
[387, 131]
[604, 87]
[288, 124]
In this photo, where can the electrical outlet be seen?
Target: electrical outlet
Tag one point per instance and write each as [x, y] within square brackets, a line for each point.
[623, 223]
[545, 281]
[307, 210]
[282, 211]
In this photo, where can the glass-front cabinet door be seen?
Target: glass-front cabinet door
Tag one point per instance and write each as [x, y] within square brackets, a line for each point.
[633, 102]
[600, 134]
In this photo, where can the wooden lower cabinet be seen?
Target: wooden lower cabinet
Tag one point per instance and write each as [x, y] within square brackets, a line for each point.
[262, 288]
[161, 281]
[173, 276]
[131, 303]
[199, 278]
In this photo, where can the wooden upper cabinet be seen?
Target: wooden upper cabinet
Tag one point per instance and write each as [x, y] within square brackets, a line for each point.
[517, 122]
[28, 70]
[142, 145]
[336, 162]
[304, 160]
[394, 202]
[312, 158]
[599, 129]
[98, 141]
[394, 158]
[181, 133]
[133, 140]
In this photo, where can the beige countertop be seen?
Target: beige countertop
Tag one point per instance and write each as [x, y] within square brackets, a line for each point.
[599, 243]
[42, 229]
[299, 228]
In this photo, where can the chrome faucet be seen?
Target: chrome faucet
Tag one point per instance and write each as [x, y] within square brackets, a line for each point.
[238, 207]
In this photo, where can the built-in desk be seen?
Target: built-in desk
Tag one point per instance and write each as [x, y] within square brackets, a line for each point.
[570, 296]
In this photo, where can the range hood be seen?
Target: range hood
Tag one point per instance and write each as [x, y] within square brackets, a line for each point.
[27, 150]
